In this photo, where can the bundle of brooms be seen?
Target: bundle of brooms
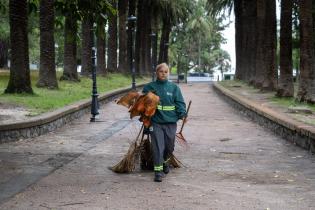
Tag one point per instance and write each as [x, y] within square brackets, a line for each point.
[140, 150]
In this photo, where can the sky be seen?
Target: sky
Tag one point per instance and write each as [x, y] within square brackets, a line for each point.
[229, 35]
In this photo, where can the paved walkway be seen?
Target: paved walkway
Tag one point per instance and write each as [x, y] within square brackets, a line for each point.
[232, 163]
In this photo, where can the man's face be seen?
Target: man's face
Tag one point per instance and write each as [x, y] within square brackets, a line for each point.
[162, 74]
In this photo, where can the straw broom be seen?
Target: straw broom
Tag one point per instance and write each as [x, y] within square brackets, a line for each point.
[141, 147]
[128, 163]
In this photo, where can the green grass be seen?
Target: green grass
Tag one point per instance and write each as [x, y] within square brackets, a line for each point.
[291, 102]
[44, 100]
[283, 102]
[236, 83]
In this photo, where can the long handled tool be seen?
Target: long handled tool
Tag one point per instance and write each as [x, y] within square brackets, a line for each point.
[127, 164]
[180, 138]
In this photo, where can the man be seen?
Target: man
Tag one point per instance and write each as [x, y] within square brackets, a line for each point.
[171, 108]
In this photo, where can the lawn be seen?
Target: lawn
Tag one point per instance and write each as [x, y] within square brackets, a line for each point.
[284, 103]
[44, 100]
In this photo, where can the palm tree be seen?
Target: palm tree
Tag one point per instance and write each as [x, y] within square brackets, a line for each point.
[122, 10]
[87, 42]
[131, 12]
[112, 40]
[285, 86]
[171, 12]
[19, 81]
[101, 47]
[70, 48]
[70, 10]
[270, 47]
[255, 32]
[266, 45]
[200, 26]
[47, 69]
[306, 90]
[140, 24]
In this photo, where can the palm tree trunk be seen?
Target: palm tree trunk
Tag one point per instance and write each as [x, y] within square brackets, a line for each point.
[270, 46]
[122, 9]
[131, 12]
[266, 75]
[260, 38]
[306, 85]
[20, 81]
[251, 7]
[155, 30]
[139, 35]
[47, 69]
[70, 49]
[87, 42]
[3, 53]
[166, 30]
[238, 38]
[112, 41]
[285, 87]
[101, 37]
[147, 58]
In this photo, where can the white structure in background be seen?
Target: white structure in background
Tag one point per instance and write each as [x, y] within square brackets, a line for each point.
[229, 75]
[199, 77]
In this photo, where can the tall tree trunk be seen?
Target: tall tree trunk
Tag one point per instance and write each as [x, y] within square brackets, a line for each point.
[148, 31]
[260, 62]
[270, 47]
[285, 86]
[112, 41]
[155, 30]
[238, 38]
[20, 81]
[70, 49]
[261, 39]
[87, 42]
[3, 53]
[122, 9]
[164, 43]
[139, 35]
[144, 36]
[131, 12]
[101, 42]
[47, 70]
[306, 85]
[251, 7]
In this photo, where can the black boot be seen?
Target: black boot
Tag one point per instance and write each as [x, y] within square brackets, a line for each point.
[158, 176]
[166, 168]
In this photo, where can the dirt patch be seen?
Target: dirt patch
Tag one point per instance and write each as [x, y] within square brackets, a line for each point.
[11, 113]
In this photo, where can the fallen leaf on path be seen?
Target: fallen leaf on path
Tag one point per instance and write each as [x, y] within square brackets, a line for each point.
[226, 139]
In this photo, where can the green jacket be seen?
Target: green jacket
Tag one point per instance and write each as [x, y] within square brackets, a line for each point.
[172, 106]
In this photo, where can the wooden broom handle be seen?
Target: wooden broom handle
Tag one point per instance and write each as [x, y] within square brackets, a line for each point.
[184, 120]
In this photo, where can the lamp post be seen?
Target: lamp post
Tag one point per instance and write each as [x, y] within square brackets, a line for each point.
[153, 53]
[131, 29]
[94, 105]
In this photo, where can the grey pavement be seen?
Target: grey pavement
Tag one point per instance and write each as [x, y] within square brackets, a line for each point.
[231, 163]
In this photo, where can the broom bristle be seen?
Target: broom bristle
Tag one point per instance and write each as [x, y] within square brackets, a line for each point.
[144, 150]
[175, 162]
[127, 164]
